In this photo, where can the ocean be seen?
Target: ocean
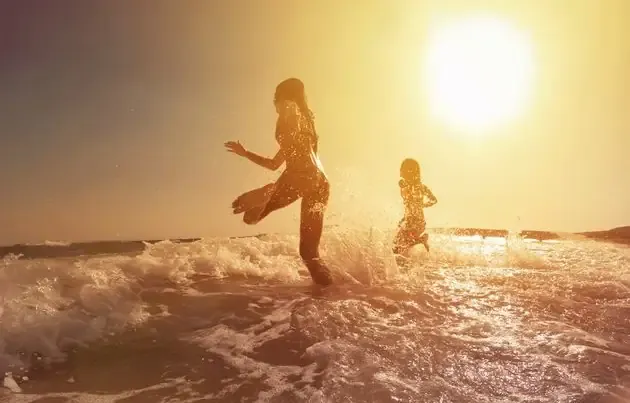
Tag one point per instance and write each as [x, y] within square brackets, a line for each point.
[237, 320]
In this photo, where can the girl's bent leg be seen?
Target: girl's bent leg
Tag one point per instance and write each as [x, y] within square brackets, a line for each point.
[284, 193]
[252, 199]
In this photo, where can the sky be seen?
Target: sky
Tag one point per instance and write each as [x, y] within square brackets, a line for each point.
[113, 116]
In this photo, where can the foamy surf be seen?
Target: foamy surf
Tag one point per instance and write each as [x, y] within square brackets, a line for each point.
[476, 320]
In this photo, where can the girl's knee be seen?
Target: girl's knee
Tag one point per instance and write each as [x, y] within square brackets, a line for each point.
[400, 250]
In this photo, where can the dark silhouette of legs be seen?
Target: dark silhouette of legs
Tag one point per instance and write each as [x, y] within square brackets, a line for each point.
[409, 235]
[424, 239]
[284, 193]
[311, 227]
[252, 199]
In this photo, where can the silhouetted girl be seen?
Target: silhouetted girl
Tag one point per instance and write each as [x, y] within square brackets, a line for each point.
[303, 176]
[411, 228]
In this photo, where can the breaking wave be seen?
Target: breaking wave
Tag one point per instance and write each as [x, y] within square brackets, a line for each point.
[477, 319]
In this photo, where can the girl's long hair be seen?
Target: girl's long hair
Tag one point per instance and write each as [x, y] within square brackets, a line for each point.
[292, 89]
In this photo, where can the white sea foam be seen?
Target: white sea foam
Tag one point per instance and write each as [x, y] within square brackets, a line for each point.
[482, 320]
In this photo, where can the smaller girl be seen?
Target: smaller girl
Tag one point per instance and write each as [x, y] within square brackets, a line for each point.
[411, 228]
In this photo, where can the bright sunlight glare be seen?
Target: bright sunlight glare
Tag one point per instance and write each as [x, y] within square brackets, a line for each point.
[479, 73]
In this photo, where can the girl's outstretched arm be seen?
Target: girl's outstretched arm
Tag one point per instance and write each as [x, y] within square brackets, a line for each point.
[269, 163]
[429, 194]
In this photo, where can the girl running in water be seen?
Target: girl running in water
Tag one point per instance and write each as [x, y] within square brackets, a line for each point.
[303, 176]
[411, 227]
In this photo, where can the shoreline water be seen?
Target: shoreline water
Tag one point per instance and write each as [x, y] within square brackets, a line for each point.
[238, 319]
[619, 235]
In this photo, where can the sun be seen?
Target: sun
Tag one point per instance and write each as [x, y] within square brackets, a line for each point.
[479, 73]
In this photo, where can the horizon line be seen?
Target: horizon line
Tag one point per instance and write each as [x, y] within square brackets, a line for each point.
[467, 231]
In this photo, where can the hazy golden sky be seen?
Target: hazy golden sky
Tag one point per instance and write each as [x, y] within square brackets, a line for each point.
[113, 115]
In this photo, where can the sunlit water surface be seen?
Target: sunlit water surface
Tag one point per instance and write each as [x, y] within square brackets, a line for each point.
[237, 320]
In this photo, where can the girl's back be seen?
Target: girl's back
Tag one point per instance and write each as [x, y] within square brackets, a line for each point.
[413, 198]
[295, 133]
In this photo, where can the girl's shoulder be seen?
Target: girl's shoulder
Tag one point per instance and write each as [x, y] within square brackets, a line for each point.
[291, 119]
[410, 184]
